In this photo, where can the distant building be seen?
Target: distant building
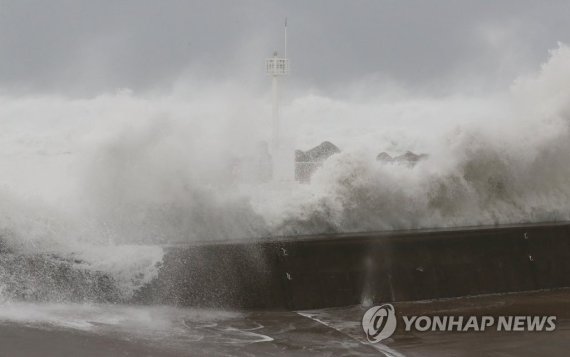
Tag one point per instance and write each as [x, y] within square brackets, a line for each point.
[307, 162]
[409, 158]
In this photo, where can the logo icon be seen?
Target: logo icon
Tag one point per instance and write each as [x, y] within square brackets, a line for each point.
[379, 322]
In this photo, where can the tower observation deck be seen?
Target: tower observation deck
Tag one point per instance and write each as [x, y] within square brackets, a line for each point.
[277, 66]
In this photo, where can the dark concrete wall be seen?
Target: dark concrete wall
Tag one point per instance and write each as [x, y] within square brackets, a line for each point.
[346, 269]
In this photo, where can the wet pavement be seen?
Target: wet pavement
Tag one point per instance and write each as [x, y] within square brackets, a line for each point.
[120, 330]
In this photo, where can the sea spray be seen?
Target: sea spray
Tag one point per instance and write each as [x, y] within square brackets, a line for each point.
[91, 188]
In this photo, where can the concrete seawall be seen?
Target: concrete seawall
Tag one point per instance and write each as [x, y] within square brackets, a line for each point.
[346, 269]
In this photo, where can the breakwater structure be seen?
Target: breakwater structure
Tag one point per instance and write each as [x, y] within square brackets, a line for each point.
[317, 271]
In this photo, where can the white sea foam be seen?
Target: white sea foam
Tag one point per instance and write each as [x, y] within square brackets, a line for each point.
[88, 180]
[507, 162]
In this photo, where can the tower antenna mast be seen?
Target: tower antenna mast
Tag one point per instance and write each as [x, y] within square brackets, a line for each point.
[285, 38]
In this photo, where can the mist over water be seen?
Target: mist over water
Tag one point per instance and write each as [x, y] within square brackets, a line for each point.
[494, 159]
[91, 187]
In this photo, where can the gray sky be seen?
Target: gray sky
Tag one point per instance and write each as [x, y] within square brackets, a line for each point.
[85, 47]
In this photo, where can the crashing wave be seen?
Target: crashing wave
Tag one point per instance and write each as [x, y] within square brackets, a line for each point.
[121, 192]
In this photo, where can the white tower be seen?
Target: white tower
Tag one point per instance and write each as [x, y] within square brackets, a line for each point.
[277, 67]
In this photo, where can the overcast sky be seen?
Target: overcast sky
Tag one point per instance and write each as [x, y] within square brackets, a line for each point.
[86, 47]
